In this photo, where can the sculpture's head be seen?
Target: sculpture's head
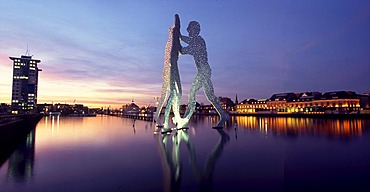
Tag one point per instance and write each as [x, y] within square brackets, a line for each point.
[193, 28]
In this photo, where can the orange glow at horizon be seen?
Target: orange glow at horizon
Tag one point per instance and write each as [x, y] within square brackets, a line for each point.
[57, 89]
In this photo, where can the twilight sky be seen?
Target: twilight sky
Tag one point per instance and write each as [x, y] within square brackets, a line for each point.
[103, 53]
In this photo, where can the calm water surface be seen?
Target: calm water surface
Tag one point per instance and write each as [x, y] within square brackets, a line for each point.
[106, 153]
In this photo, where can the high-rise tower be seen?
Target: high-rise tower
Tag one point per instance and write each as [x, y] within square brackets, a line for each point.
[25, 79]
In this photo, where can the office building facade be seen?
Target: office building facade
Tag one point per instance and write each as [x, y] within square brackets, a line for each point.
[24, 89]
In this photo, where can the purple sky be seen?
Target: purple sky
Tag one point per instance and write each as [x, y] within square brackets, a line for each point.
[108, 52]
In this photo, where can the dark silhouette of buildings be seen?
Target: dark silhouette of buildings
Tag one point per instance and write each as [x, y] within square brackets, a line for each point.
[65, 109]
[5, 109]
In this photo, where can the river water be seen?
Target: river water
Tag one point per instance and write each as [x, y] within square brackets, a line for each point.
[107, 153]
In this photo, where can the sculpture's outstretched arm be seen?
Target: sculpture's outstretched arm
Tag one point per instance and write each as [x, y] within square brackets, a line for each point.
[185, 39]
[185, 50]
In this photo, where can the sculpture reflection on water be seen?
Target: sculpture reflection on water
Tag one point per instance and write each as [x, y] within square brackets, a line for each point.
[171, 87]
[172, 164]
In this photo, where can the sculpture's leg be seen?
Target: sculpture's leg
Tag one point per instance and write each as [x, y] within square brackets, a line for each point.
[164, 96]
[167, 112]
[176, 103]
[209, 92]
[176, 110]
[196, 85]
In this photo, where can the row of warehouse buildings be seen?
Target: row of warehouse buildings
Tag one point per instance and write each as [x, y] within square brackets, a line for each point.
[337, 102]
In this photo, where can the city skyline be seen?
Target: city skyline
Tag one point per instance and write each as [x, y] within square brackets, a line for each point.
[106, 54]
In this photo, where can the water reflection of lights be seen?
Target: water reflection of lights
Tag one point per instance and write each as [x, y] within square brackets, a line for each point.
[263, 125]
[192, 131]
[53, 126]
[172, 165]
[303, 126]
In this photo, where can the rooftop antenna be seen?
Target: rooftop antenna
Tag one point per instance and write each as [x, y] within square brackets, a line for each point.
[27, 51]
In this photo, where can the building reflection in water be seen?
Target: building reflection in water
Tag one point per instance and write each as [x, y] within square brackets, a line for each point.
[171, 161]
[293, 127]
[20, 163]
